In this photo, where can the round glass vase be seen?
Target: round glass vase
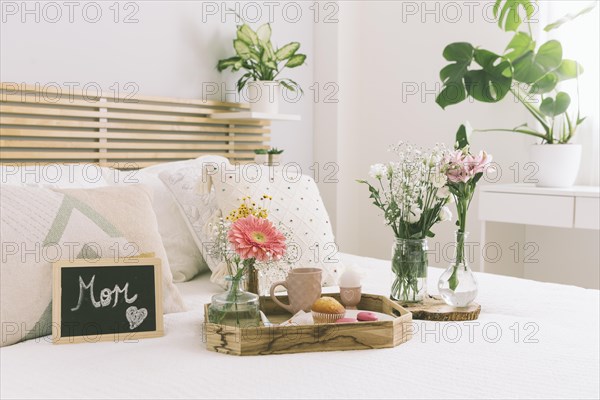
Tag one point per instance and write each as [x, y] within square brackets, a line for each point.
[235, 307]
[457, 285]
[409, 270]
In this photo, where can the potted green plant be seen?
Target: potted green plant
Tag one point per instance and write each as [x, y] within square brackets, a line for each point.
[261, 156]
[532, 74]
[263, 63]
[274, 155]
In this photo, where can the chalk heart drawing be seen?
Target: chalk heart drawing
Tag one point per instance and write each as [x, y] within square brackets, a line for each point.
[135, 316]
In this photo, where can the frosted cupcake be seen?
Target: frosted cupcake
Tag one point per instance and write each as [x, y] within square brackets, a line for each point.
[327, 310]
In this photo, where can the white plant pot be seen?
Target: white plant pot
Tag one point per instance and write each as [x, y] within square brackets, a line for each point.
[261, 158]
[274, 159]
[263, 96]
[558, 164]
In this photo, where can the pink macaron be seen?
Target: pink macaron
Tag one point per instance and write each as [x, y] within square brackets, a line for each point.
[346, 320]
[366, 316]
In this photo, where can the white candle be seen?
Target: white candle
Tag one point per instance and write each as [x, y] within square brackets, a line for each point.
[350, 278]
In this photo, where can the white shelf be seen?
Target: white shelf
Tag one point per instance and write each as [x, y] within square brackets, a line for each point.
[576, 191]
[574, 207]
[255, 115]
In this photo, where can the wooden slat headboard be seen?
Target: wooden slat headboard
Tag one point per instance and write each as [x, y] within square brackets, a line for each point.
[48, 126]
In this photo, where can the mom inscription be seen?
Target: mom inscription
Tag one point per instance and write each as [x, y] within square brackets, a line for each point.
[107, 300]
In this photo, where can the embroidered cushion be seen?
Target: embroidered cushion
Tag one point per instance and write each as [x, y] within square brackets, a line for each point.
[296, 203]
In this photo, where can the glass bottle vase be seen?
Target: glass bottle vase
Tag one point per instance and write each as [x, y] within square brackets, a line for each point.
[457, 284]
[409, 270]
[235, 307]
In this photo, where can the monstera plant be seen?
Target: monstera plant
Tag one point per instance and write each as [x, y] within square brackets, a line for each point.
[531, 72]
[262, 62]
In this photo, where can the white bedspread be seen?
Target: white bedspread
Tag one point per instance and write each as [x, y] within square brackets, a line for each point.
[532, 340]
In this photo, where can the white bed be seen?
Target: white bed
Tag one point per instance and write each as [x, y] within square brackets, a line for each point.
[562, 360]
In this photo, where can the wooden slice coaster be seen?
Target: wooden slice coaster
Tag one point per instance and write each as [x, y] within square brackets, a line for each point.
[433, 308]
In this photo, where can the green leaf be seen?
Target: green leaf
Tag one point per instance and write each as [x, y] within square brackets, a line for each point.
[508, 14]
[551, 107]
[462, 138]
[264, 33]
[242, 49]
[569, 17]
[287, 51]
[287, 86]
[544, 85]
[291, 85]
[452, 75]
[268, 48]
[243, 37]
[452, 93]
[265, 56]
[295, 61]
[254, 56]
[532, 68]
[568, 69]
[489, 84]
[226, 63]
[520, 44]
[237, 66]
[549, 55]
[526, 70]
[247, 35]
[459, 51]
[243, 80]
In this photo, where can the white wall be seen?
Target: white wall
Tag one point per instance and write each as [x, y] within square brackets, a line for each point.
[388, 58]
[379, 54]
[376, 54]
[169, 51]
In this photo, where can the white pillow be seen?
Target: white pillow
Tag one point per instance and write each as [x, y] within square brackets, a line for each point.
[55, 175]
[196, 201]
[184, 257]
[40, 225]
[296, 203]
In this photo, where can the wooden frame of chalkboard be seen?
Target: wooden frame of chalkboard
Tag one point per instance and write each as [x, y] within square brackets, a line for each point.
[107, 300]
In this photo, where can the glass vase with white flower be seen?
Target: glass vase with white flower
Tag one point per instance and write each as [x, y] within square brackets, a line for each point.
[457, 285]
[413, 196]
[245, 241]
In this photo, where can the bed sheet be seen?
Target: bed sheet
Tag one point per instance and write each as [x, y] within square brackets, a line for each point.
[532, 340]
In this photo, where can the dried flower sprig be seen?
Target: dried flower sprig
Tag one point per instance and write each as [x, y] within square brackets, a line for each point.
[249, 207]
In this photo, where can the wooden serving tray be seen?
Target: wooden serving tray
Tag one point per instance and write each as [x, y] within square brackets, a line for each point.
[261, 340]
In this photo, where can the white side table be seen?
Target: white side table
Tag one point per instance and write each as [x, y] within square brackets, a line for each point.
[548, 234]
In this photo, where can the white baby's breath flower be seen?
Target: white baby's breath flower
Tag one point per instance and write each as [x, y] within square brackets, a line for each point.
[443, 192]
[438, 180]
[445, 214]
[377, 171]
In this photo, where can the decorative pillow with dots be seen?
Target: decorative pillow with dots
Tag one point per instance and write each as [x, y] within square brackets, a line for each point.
[295, 202]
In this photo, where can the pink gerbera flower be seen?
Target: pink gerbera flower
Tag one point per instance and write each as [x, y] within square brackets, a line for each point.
[256, 238]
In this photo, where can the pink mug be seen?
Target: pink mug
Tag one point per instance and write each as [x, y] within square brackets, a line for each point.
[303, 286]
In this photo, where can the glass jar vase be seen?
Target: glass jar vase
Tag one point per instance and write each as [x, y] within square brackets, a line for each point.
[409, 270]
[457, 284]
[234, 307]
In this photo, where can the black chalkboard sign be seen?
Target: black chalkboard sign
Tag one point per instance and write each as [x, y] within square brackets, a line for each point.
[107, 300]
